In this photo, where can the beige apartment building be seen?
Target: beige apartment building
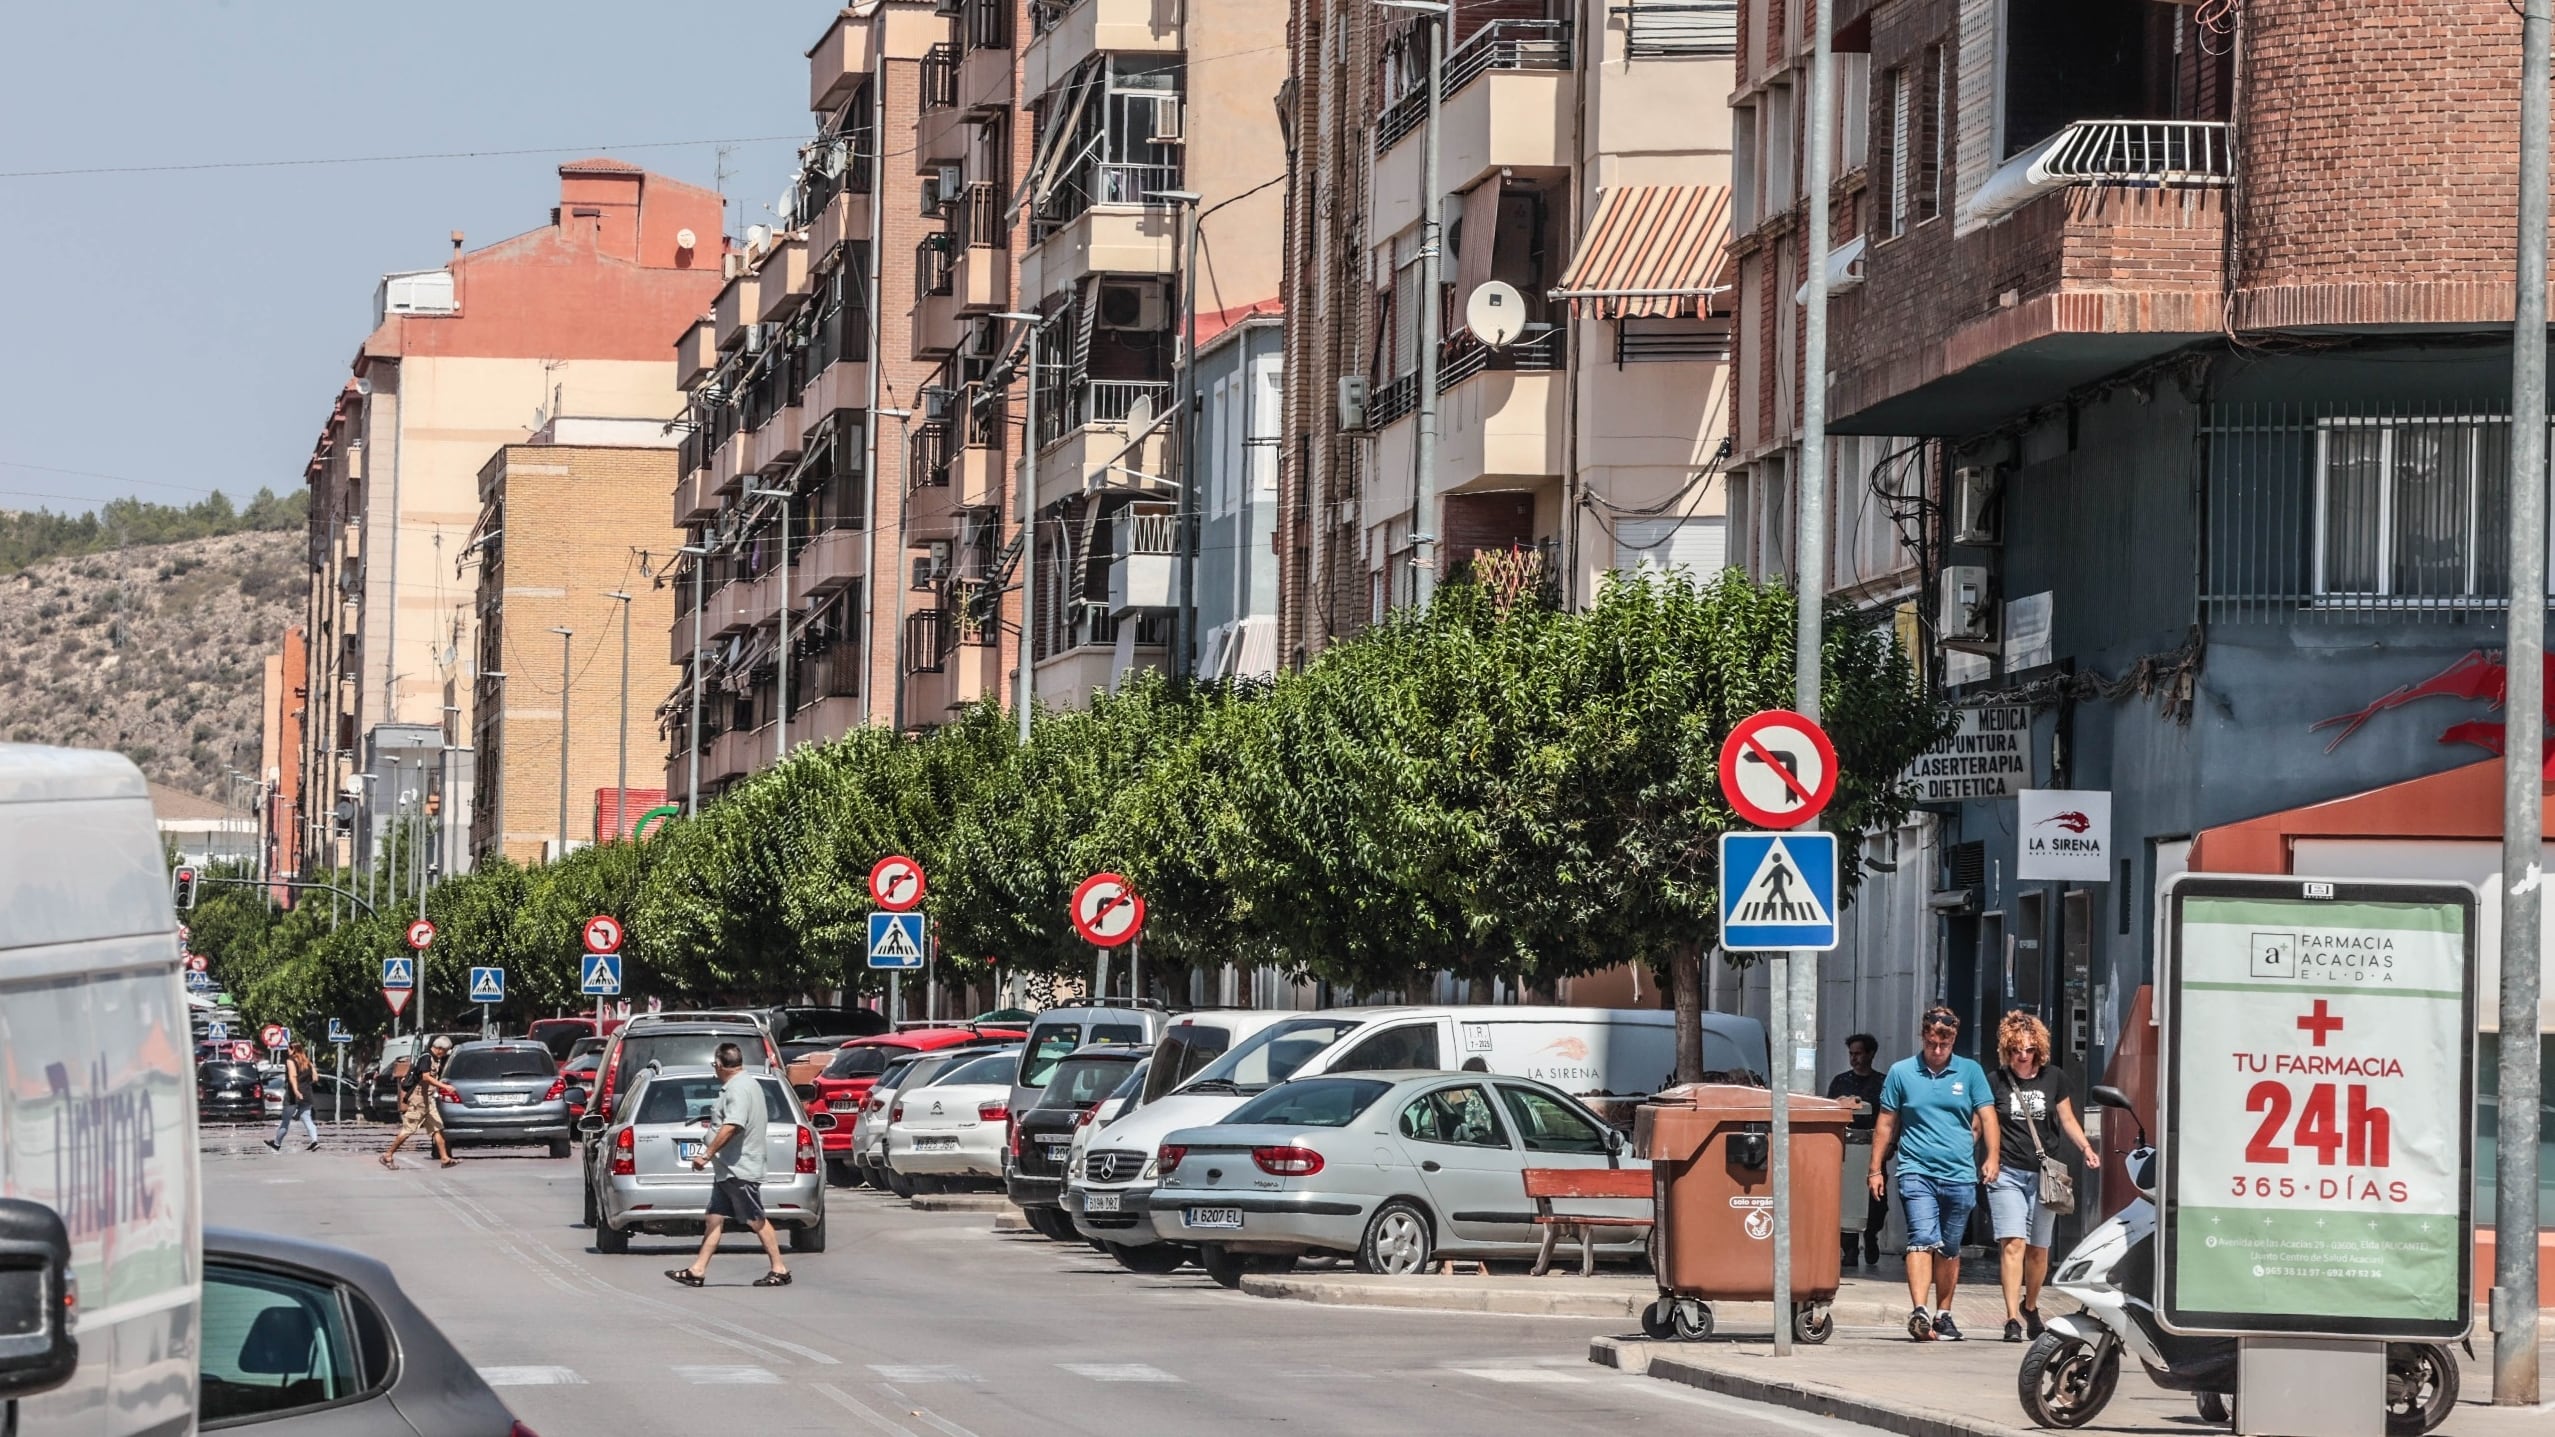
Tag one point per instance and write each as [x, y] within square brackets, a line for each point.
[1585, 164]
[568, 319]
[572, 530]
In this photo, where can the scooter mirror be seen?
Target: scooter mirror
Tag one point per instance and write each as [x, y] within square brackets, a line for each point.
[2109, 1096]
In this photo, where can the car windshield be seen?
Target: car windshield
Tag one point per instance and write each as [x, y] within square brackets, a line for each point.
[687, 1050]
[586, 1047]
[1312, 1103]
[472, 1064]
[691, 1100]
[1080, 1082]
[858, 1062]
[802, 1025]
[1271, 1055]
[1183, 1052]
[897, 1068]
[1054, 1042]
[1134, 1083]
[991, 1068]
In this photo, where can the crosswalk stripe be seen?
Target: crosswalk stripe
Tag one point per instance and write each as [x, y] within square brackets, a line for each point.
[531, 1377]
[1519, 1374]
[1117, 1372]
[727, 1376]
[889, 1372]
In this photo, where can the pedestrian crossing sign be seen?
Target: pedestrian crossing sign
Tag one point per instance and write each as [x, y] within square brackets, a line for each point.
[398, 973]
[487, 985]
[1778, 892]
[896, 940]
[602, 975]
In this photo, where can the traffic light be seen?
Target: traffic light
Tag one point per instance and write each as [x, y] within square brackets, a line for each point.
[184, 882]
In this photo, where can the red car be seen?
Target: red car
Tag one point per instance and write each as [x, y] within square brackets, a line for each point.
[843, 1084]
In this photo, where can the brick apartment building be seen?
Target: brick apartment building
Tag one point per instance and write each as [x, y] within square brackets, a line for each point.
[282, 705]
[1582, 167]
[565, 523]
[2173, 345]
[567, 319]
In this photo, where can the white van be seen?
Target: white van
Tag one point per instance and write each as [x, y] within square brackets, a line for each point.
[97, 1092]
[1609, 1058]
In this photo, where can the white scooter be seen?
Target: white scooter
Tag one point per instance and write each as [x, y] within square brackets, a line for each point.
[2071, 1369]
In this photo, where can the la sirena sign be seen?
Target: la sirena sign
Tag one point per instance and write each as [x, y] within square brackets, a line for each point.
[2063, 834]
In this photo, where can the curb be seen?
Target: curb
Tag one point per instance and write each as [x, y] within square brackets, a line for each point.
[961, 1202]
[1012, 1221]
[1433, 1296]
[1813, 1397]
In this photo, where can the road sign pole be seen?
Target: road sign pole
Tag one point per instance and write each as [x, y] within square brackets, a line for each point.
[1779, 1139]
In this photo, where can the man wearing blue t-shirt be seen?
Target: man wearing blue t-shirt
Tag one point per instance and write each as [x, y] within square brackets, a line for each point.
[1937, 1112]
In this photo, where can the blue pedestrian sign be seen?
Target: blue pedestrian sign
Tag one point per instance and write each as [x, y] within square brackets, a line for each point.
[1778, 891]
[488, 985]
[896, 940]
[399, 972]
[218, 1033]
[602, 975]
[337, 1032]
[199, 982]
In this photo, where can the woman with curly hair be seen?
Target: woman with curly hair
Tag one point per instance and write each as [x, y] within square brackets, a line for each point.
[2034, 1112]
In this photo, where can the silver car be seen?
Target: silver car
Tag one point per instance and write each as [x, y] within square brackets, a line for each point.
[511, 1092]
[869, 1133]
[645, 1181]
[1396, 1169]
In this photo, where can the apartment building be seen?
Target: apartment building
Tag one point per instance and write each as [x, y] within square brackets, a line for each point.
[569, 318]
[571, 634]
[1584, 178]
[281, 708]
[2213, 395]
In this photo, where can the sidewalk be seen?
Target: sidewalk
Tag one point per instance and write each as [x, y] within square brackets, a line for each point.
[1963, 1389]
[1860, 1301]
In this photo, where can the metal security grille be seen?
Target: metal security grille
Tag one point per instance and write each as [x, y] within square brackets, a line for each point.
[1663, 29]
[2328, 512]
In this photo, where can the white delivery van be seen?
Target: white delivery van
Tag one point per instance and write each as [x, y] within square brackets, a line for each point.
[97, 1099]
[1609, 1058]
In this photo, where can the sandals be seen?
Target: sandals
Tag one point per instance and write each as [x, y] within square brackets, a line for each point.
[684, 1275]
[452, 1162]
[388, 1162]
[773, 1279]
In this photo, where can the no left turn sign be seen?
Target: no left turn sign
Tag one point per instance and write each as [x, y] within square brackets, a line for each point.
[420, 934]
[603, 934]
[896, 883]
[1107, 910]
[1778, 769]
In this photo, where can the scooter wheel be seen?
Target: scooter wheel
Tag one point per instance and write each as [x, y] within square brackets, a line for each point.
[2065, 1382]
[2421, 1387]
[1690, 1319]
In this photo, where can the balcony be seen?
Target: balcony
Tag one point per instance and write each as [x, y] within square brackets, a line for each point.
[782, 283]
[695, 355]
[1098, 222]
[982, 270]
[1092, 429]
[1067, 680]
[835, 559]
[985, 62]
[940, 130]
[826, 719]
[1064, 36]
[1507, 103]
[976, 477]
[2170, 154]
[739, 304]
[1500, 415]
[838, 63]
[842, 219]
[696, 499]
[935, 297]
[679, 632]
[1144, 564]
[727, 465]
[726, 615]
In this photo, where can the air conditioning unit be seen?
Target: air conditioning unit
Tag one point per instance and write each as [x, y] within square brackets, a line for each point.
[1166, 120]
[930, 188]
[953, 180]
[1973, 504]
[731, 264]
[932, 564]
[1134, 304]
[984, 337]
[1353, 392]
[1967, 619]
[940, 403]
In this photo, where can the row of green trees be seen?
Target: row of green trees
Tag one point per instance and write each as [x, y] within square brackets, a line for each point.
[32, 536]
[1491, 788]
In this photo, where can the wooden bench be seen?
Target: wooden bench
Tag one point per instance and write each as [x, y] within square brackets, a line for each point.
[1546, 1185]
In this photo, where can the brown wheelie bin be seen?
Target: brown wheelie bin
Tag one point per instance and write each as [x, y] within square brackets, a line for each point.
[1708, 1150]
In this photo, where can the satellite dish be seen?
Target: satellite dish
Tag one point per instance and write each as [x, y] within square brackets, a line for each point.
[1496, 313]
[685, 239]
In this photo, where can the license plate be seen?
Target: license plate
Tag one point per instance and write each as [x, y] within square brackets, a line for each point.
[1100, 1202]
[1055, 1145]
[935, 1145]
[685, 1150]
[1211, 1217]
[504, 1100]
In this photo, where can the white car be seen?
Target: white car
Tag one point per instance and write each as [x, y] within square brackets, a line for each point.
[869, 1129]
[953, 1127]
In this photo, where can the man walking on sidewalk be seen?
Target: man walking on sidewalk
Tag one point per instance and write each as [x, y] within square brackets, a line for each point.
[1860, 1084]
[1939, 1114]
[736, 1154]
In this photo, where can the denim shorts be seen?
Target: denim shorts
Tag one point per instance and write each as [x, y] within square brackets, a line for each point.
[1937, 1211]
[2014, 1207]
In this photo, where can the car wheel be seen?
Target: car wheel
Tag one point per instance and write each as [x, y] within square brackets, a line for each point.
[839, 1173]
[1397, 1241]
[1153, 1259]
[1223, 1265]
[590, 1213]
[558, 1147]
[810, 1238]
[899, 1184]
[609, 1240]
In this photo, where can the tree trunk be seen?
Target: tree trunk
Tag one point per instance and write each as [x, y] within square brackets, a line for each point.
[1685, 980]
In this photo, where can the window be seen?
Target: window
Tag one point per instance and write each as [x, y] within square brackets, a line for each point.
[1459, 1115]
[2406, 510]
[1781, 115]
[1183, 1053]
[1273, 1054]
[1853, 112]
[991, 1069]
[1312, 1103]
[857, 1063]
[274, 1344]
[1549, 1125]
[1411, 1045]
[1743, 168]
[1080, 1082]
[1696, 547]
[1928, 136]
[483, 1063]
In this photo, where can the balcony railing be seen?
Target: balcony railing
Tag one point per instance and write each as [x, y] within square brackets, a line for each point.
[1673, 30]
[1392, 400]
[1104, 182]
[935, 269]
[1044, 15]
[1499, 45]
[2144, 153]
[978, 220]
[1148, 534]
[833, 672]
[1103, 401]
[986, 24]
[1463, 355]
[939, 72]
[935, 454]
[927, 642]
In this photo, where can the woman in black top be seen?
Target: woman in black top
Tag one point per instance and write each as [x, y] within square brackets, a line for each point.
[299, 1078]
[2037, 1117]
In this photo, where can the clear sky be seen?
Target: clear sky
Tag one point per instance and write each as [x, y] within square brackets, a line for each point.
[185, 331]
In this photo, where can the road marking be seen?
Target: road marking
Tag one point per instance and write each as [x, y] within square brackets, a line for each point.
[531, 1377]
[1117, 1372]
[1519, 1374]
[860, 1409]
[728, 1376]
[916, 1375]
[706, 1335]
[768, 1340]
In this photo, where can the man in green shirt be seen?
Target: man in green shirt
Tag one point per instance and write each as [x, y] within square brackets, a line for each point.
[735, 1154]
[1940, 1117]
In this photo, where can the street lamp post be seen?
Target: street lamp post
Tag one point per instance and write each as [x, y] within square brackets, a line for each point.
[781, 735]
[567, 640]
[1028, 681]
[621, 794]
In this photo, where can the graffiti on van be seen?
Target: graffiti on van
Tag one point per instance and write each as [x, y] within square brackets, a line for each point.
[103, 1143]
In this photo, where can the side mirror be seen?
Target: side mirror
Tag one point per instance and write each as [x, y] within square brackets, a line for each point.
[38, 1300]
[821, 1122]
[592, 1125]
[806, 1091]
[577, 1097]
[1614, 1140]
[2109, 1096]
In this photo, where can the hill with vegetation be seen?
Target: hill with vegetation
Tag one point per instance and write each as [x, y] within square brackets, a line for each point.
[33, 536]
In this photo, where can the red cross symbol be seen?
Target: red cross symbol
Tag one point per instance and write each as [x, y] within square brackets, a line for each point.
[2320, 1023]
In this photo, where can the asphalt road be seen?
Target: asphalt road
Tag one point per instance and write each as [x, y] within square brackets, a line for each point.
[915, 1323]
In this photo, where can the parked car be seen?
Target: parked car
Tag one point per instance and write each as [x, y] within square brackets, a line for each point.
[579, 1073]
[799, 1031]
[330, 1096]
[685, 1040]
[641, 1177]
[1041, 1139]
[869, 1129]
[511, 1092]
[1394, 1169]
[227, 1092]
[952, 1128]
[1061, 1031]
[844, 1076]
[560, 1035]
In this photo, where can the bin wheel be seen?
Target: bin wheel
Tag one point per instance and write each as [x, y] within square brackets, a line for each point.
[1689, 1319]
[1813, 1325]
[1657, 1323]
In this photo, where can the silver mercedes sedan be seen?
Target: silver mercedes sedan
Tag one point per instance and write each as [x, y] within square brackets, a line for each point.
[1395, 1169]
[644, 1158]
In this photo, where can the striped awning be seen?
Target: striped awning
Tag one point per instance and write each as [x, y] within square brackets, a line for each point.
[1650, 250]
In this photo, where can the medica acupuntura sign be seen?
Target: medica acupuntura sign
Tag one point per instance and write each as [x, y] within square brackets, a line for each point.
[2318, 1094]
